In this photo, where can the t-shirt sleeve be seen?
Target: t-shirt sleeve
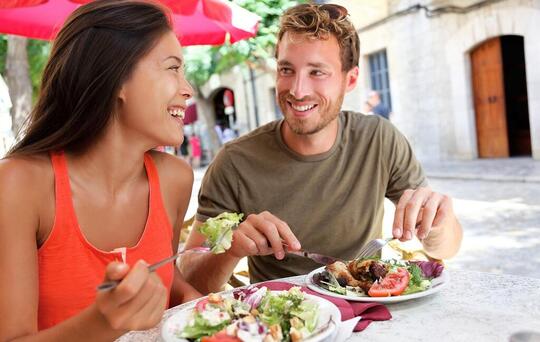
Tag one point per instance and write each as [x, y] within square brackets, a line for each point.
[404, 170]
[219, 188]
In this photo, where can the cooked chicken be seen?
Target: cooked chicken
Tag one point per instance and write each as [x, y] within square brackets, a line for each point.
[359, 273]
[344, 277]
[369, 270]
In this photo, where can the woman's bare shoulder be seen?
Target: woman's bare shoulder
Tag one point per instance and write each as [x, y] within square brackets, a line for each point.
[173, 171]
[20, 173]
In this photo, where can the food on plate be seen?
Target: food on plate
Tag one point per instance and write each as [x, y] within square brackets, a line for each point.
[375, 277]
[219, 231]
[253, 315]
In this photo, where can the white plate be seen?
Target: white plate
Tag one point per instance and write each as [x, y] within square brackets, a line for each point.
[436, 285]
[327, 310]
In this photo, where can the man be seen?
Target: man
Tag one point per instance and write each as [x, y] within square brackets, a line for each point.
[316, 179]
[377, 106]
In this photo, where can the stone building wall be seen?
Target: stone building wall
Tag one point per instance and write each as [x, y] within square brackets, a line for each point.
[430, 76]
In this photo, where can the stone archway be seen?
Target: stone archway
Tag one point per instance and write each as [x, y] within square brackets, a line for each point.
[224, 113]
[501, 21]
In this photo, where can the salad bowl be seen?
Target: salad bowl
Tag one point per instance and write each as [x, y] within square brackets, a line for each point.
[326, 327]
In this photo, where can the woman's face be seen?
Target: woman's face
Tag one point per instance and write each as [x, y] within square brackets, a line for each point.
[153, 100]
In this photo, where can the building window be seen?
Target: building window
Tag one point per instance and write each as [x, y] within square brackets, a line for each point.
[378, 72]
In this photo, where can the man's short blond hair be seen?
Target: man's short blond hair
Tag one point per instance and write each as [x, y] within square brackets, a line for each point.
[315, 21]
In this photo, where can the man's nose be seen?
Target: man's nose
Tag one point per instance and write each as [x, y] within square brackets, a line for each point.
[300, 87]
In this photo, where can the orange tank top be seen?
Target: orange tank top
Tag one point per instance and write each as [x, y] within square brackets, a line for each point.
[70, 267]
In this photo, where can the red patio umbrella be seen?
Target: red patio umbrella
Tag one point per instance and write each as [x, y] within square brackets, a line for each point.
[196, 22]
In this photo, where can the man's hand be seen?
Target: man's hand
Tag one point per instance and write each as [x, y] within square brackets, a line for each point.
[262, 234]
[421, 212]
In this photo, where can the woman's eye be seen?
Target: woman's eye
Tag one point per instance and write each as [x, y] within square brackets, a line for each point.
[174, 68]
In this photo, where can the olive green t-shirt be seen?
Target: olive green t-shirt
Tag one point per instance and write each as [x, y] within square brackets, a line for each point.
[332, 201]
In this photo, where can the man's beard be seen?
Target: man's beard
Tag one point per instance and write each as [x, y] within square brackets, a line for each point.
[327, 113]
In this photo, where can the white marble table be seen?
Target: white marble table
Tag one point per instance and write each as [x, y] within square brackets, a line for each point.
[473, 306]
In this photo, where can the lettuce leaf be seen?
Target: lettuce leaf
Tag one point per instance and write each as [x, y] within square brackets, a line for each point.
[219, 231]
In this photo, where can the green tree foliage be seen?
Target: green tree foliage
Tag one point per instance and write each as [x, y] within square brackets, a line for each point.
[203, 61]
[38, 53]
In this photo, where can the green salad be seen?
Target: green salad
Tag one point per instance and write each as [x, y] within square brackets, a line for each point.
[219, 231]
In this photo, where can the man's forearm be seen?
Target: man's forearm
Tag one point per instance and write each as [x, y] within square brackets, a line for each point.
[444, 242]
[208, 272]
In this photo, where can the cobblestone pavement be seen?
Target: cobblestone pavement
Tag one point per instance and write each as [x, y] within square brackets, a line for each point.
[498, 205]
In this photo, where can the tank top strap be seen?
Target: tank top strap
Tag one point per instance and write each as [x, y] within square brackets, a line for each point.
[64, 210]
[156, 202]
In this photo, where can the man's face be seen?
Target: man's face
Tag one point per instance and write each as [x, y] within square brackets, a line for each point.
[310, 83]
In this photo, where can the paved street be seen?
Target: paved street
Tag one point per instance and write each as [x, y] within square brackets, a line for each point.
[501, 223]
[500, 213]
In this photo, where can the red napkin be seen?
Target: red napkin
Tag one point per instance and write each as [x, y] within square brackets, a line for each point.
[368, 311]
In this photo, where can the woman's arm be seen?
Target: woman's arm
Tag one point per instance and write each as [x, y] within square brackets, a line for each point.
[137, 303]
[176, 184]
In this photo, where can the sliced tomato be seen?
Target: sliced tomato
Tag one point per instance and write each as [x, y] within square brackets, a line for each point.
[393, 284]
[201, 304]
[221, 337]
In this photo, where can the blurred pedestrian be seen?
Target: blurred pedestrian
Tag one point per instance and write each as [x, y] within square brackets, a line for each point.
[224, 133]
[196, 151]
[184, 149]
[377, 106]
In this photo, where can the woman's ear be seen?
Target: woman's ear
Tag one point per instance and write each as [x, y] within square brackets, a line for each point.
[122, 93]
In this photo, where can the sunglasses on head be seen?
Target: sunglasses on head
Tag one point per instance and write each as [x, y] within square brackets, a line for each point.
[334, 11]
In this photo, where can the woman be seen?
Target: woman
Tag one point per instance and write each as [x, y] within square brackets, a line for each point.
[83, 196]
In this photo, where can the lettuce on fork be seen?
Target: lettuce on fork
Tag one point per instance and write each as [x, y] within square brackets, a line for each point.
[219, 231]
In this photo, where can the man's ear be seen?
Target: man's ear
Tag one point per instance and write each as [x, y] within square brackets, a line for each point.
[352, 78]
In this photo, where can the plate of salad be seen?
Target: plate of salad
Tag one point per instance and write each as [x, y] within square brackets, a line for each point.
[377, 280]
[254, 314]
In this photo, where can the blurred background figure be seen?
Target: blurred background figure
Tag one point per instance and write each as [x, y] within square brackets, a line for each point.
[375, 105]
[224, 132]
[196, 151]
[184, 149]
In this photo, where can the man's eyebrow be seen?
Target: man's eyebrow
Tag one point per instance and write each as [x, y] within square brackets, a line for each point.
[318, 65]
[313, 65]
[284, 63]
[176, 58]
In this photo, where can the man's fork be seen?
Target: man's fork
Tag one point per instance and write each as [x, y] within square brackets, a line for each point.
[373, 247]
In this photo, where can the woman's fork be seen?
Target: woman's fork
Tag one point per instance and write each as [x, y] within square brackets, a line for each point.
[109, 285]
[373, 247]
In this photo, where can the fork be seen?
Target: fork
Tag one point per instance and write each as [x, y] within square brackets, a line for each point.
[373, 247]
[111, 284]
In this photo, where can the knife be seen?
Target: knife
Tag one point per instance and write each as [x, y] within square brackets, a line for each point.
[318, 258]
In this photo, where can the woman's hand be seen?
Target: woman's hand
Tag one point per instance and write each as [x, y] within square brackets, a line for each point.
[137, 303]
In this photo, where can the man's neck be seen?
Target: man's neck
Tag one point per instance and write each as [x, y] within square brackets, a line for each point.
[311, 144]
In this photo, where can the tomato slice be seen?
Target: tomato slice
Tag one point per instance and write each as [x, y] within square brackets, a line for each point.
[392, 285]
[221, 337]
[201, 304]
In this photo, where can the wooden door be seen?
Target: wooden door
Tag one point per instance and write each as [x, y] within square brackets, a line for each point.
[489, 103]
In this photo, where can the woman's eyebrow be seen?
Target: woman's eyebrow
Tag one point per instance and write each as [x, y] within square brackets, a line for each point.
[178, 59]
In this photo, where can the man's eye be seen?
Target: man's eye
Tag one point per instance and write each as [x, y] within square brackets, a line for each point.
[285, 71]
[317, 73]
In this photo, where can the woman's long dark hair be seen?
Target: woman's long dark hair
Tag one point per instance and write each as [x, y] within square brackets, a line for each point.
[92, 56]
